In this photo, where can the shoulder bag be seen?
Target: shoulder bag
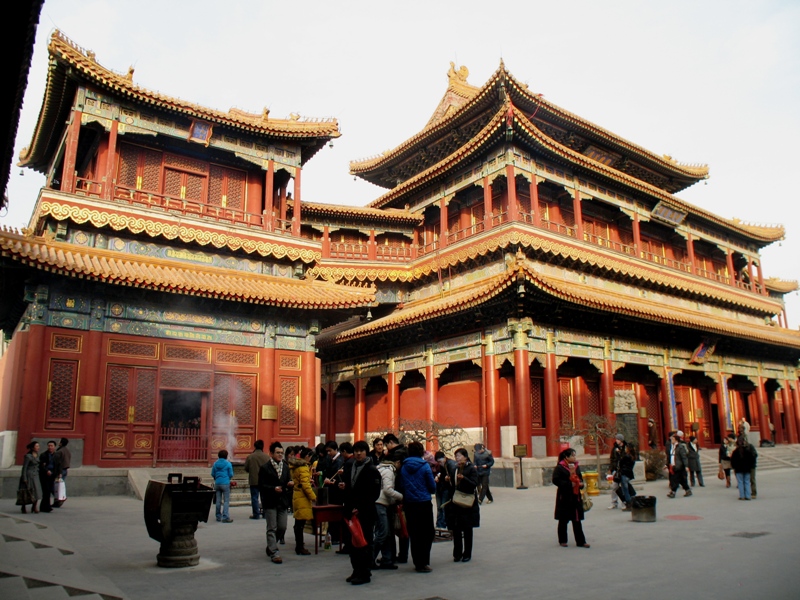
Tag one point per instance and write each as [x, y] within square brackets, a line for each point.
[586, 502]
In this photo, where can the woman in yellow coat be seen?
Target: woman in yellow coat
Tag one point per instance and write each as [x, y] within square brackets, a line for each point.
[302, 497]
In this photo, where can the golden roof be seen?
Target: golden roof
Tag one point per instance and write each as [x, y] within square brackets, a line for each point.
[391, 215]
[496, 128]
[580, 294]
[68, 61]
[782, 286]
[164, 275]
[461, 99]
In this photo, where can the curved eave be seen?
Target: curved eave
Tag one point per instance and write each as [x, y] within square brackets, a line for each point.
[557, 249]
[694, 173]
[170, 230]
[388, 216]
[170, 276]
[543, 141]
[582, 297]
[518, 91]
[780, 286]
[69, 62]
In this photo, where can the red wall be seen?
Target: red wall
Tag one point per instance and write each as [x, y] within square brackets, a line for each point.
[460, 404]
[378, 416]
[412, 404]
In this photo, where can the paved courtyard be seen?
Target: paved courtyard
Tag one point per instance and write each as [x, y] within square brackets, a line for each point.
[707, 546]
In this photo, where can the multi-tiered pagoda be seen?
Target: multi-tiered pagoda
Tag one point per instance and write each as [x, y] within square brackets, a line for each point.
[525, 268]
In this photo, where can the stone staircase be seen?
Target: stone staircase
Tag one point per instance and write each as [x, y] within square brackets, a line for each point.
[779, 457]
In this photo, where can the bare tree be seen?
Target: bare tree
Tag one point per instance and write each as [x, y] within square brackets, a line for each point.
[591, 427]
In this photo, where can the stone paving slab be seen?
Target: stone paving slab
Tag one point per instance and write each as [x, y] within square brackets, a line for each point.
[709, 546]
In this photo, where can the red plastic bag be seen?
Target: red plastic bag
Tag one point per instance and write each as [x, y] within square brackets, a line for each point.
[356, 533]
[400, 525]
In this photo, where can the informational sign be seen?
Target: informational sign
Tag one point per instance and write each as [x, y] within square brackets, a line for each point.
[520, 450]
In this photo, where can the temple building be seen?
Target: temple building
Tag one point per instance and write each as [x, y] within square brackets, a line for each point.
[174, 294]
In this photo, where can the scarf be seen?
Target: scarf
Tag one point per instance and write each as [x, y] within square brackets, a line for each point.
[278, 467]
[357, 468]
[573, 476]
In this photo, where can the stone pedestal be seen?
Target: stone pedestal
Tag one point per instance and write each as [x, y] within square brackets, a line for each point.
[180, 549]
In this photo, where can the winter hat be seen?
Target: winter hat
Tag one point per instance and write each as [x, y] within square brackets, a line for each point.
[679, 433]
[620, 437]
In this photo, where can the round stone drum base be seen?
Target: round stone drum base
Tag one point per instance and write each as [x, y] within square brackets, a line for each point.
[181, 549]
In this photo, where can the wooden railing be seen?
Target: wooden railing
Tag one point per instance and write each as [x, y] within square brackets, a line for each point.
[182, 444]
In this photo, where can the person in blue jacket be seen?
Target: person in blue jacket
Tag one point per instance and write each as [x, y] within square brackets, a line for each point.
[418, 485]
[222, 472]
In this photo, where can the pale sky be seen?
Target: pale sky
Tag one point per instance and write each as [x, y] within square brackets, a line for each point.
[714, 81]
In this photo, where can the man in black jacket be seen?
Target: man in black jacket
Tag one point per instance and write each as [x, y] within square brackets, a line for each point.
[679, 462]
[361, 484]
[275, 484]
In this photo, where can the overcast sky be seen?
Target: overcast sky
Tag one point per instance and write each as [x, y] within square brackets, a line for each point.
[714, 81]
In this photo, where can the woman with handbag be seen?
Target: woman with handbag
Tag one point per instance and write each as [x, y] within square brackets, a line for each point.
[463, 512]
[30, 488]
[569, 506]
[725, 450]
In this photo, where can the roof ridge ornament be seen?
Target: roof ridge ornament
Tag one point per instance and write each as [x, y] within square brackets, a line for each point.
[459, 76]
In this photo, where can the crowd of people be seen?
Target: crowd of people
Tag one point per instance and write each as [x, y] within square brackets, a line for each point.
[385, 492]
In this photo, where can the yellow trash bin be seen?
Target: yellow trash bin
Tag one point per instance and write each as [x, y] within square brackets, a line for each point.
[590, 479]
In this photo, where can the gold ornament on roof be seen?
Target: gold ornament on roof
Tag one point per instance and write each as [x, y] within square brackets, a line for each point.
[129, 74]
[456, 77]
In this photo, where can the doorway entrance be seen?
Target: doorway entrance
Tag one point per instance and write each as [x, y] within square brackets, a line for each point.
[182, 436]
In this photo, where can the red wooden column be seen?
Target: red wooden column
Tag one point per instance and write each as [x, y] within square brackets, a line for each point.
[788, 410]
[637, 234]
[33, 404]
[535, 208]
[282, 205]
[372, 247]
[269, 196]
[443, 223]
[330, 417]
[775, 418]
[296, 211]
[491, 379]
[761, 279]
[266, 396]
[109, 181]
[71, 153]
[430, 393]
[729, 264]
[92, 371]
[522, 390]
[326, 241]
[317, 399]
[690, 251]
[308, 394]
[750, 274]
[487, 204]
[607, 383]
[576, 207]
[360, 413]
[551, 400]
[513, 204]
[393, 393]
[796, 405]
[722, 406]
[763, 409]
[415, 244]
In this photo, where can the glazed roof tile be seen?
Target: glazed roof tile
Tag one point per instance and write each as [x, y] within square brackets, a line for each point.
[68, 60]
[165, 275]
[475, 96]
[495, 128]
[391, 215]
[576, 293]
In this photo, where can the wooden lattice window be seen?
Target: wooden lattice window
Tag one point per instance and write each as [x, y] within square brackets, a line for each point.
[566, 403]
[234, 357]
[234, 393]
[119, 380]
[145, 406]
[537, 402]
[61, 389]
[124, 348]
[226, 187]
[185, 380]
[289, 414]
[139, 168]
[593, 397]
[186, 353]
[66, 343]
